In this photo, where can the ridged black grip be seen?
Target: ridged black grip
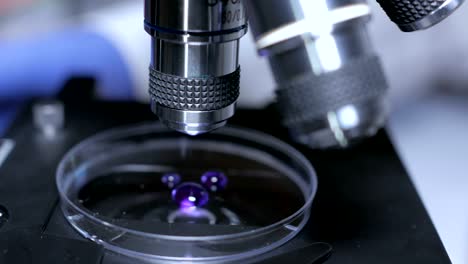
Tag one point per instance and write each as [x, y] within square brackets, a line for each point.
[311, 97]
[408, 11]
[199, 94]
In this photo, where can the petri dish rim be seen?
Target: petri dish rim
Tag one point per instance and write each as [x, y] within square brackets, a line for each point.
[233, 131]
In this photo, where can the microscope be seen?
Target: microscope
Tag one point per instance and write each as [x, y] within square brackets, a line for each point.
[330, 84]
[143, 193]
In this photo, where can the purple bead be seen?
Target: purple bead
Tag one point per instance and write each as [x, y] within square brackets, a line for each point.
[214, 180]
[171, 179]
[190, 194]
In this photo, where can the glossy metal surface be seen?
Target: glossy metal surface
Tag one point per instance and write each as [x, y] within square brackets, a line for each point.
[195, 39]
[343, 127]
[318, 37]
[445, 10]
[193, 122]
[321, 55]
[193, 60]
[195, 16]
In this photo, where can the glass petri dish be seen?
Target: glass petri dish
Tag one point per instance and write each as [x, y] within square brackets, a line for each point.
[118, 189]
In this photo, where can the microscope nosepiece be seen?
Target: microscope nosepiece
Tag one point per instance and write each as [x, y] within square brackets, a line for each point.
[194, 72]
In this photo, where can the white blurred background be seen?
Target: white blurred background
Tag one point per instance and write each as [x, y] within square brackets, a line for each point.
[427, 72]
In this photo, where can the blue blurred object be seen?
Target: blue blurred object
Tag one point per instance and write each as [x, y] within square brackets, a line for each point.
[39, 66]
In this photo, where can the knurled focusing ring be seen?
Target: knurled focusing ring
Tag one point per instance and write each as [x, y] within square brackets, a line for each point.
[194, 94]
[311, 97]
[411, 15]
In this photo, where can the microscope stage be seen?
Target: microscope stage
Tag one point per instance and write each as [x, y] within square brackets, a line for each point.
[366, 209]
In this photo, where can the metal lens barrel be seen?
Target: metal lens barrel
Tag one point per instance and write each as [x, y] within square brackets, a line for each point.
[194, 72]
[331, 86]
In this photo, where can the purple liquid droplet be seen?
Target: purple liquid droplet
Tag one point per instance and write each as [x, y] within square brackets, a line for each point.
[190, 194]
[171, 179]
[214, 180]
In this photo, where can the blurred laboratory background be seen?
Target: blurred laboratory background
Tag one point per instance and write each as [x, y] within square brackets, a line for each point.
[44, 43]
